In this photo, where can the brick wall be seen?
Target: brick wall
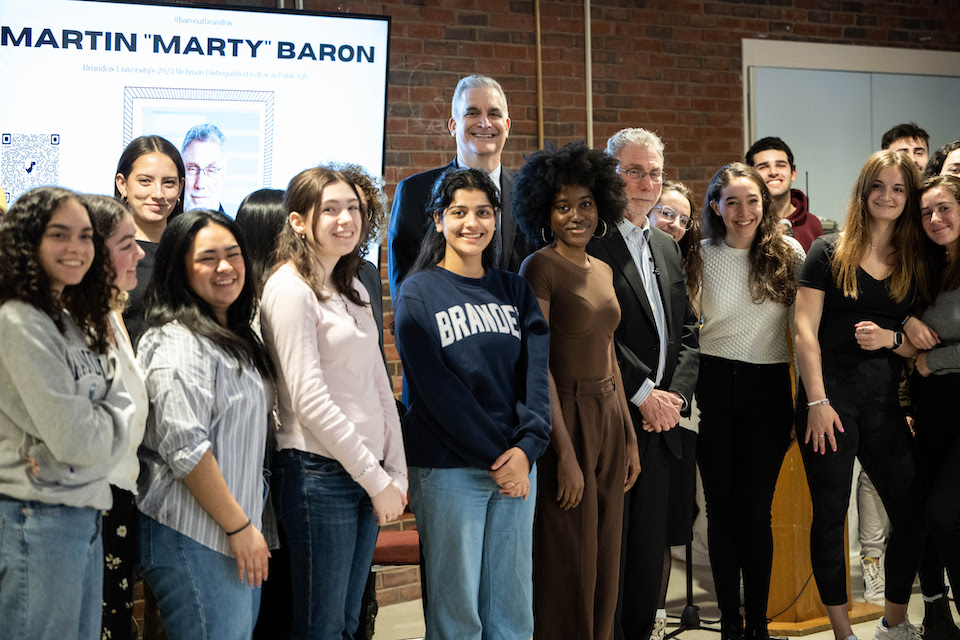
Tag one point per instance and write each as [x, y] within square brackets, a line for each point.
[670, 66]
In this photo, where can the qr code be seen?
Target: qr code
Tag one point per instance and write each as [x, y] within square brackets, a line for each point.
[28, 160]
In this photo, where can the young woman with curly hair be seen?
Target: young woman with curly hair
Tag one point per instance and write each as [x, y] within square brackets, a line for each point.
[856, 289]
[339, 466]
[564, 197]
[64, 416]
[748, 288]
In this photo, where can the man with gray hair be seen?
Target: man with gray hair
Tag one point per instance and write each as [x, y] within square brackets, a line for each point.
[206, 165]
[480, 123]
[657, 345]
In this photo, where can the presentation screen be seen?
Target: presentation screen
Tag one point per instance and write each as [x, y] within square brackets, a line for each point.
[257, 95]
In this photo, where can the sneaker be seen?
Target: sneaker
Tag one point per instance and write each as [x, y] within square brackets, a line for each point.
[902, 631]
[938, 621]
[872, 579]
[659, 629]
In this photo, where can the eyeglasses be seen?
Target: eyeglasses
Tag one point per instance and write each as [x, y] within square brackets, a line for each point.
[637, 175]
[211, 170]
[670, 215]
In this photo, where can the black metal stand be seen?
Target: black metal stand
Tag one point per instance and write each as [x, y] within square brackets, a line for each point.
[690, 618]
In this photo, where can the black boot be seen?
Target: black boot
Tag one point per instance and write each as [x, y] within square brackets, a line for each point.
[757, 631]
[938, 622]
[731, 629]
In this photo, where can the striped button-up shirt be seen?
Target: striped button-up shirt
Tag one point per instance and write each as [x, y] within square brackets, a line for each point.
[200, 400]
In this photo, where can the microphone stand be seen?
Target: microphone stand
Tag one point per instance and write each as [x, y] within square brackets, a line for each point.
[690, 618]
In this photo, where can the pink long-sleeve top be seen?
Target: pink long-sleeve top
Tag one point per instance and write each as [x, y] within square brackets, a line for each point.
[335, 397]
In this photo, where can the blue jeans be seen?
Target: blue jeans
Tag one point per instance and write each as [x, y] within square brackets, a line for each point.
[330, 530]
[51, 571]
[197, 589]
[478, 554]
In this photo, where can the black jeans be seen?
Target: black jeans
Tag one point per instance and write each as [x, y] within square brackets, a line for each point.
[745, 420]
[863, 391]
[938, 441]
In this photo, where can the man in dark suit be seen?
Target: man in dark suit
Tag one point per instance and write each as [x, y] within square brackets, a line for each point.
[658, 352]
[480, 123]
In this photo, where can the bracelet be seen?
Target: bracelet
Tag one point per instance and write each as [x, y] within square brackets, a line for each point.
[818, 402]
[233, 533]
[904, 321]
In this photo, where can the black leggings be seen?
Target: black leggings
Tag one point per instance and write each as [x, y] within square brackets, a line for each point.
[863, 391]
[938, 441]
[745, 419]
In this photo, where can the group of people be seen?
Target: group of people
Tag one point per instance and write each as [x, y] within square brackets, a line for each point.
[217, 388]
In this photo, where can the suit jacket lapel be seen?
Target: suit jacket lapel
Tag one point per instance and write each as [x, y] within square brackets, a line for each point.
[621, 260]
[659, 262]
[508, 226]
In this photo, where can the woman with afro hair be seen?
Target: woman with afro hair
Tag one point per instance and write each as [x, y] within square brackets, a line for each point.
[563, 198]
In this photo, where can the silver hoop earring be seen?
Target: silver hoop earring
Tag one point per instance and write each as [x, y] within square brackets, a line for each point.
[543, 234]
[604, 232]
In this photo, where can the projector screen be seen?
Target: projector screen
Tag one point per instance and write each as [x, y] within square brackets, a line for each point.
[283, 91]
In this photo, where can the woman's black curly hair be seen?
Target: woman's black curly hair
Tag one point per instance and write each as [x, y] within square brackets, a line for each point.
[23, 278]
[549, 170]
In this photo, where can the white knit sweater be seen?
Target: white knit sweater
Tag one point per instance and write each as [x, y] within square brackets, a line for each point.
[734, 326]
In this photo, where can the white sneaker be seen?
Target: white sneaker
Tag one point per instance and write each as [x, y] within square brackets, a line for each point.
[872, 580]
[659, 629]
[903, 631]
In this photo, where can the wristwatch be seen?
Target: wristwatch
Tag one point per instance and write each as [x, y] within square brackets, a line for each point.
[897, 339]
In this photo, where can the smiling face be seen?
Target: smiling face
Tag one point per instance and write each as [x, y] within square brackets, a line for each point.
[741, 207]
[336, 223]
[215, 269]
[573, 217]
[467, 224]
[643, 194]
[66, 248]
[914, 149]
[887, 195]
[152, 188]
[481, 126]
[775, 169]
[940, 215]
[124, 253]
[677, 227]
[205, 164]
[951, 166]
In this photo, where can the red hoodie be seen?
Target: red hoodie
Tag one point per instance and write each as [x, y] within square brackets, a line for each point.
[806, 226]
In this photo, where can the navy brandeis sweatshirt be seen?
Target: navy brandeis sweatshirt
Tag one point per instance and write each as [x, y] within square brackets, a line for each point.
[475, 355]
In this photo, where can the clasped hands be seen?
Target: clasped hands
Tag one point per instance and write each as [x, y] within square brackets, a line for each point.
[661, 411]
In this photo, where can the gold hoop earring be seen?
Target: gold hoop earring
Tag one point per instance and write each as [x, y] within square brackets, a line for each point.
[604, 232]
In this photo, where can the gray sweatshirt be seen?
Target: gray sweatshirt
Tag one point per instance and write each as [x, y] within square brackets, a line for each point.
[62, 407]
